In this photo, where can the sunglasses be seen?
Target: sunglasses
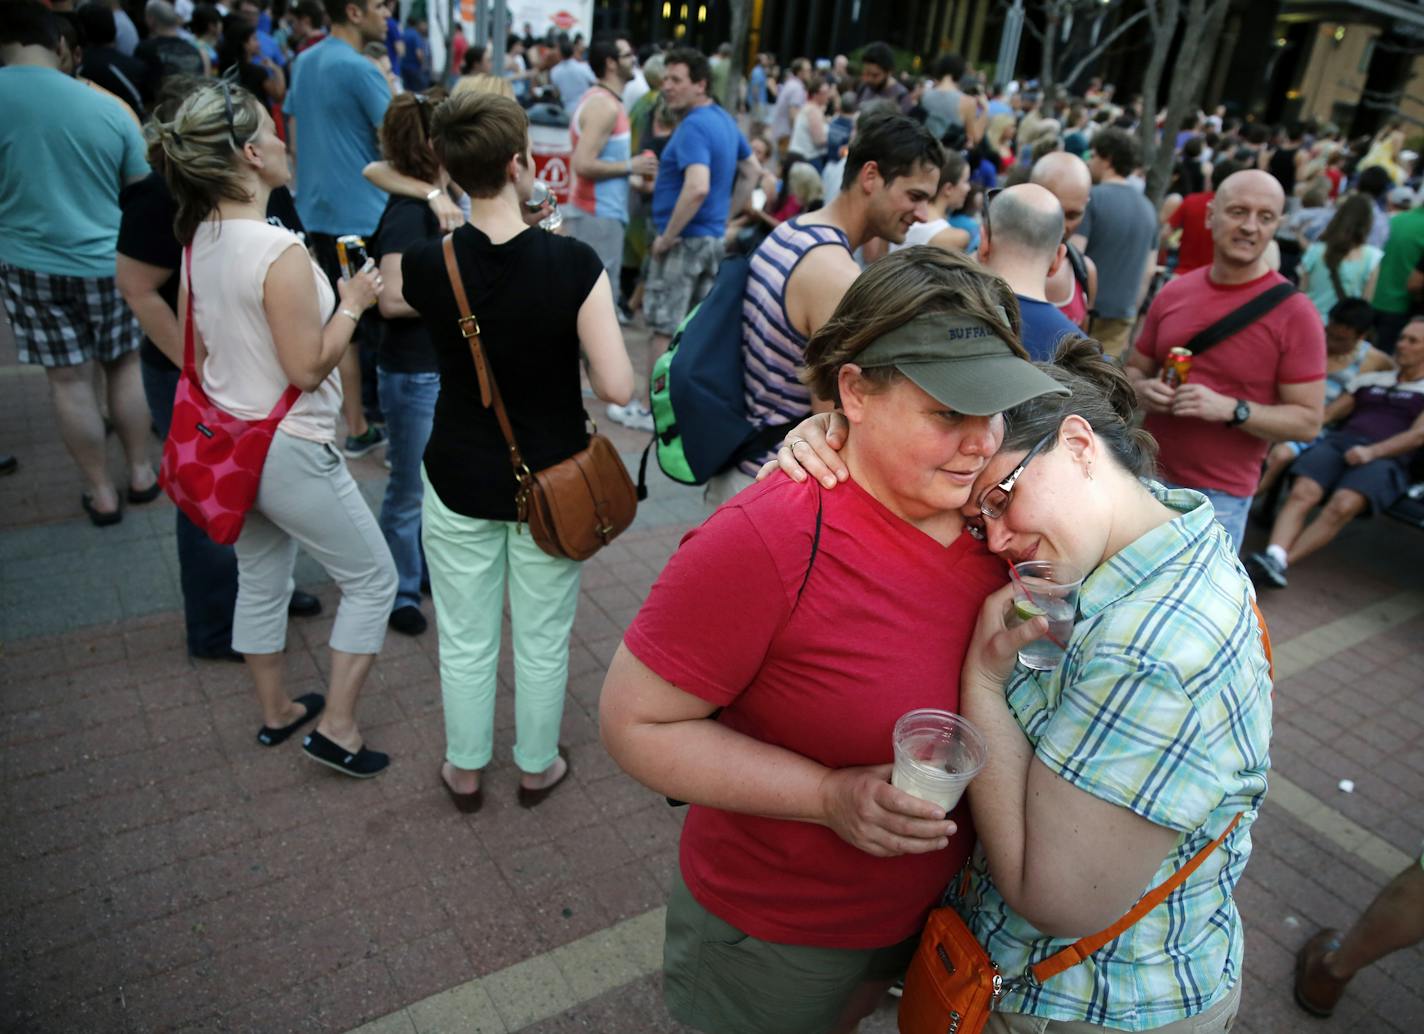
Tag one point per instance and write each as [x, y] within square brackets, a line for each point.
[227, 80]
[994, 501]
[989, 196]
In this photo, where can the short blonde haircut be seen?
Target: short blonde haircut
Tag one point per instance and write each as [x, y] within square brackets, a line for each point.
[483, 83]
[804, 182]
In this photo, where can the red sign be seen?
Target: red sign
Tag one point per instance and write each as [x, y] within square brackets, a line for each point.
[565, 20]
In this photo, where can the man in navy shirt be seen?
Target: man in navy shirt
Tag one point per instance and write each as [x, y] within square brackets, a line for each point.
[1023, 243]
[706, 163]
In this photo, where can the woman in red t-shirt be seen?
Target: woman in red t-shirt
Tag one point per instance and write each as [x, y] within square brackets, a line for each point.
[763, 676]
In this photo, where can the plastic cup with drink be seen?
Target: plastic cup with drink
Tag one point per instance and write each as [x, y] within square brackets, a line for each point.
[937, 753]
[1049, 589]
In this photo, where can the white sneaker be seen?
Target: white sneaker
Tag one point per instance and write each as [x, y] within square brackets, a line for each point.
[634, 415]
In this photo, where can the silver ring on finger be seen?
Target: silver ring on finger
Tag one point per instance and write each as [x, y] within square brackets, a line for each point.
[791, 443]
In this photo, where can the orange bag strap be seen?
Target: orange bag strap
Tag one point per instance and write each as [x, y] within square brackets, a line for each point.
[1265, 638]
[1081, 949]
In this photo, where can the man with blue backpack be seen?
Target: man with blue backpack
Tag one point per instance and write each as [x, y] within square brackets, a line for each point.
[797, 277]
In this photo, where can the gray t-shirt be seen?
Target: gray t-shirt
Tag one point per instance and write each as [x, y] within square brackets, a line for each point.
[941, 110]
[1121, 229]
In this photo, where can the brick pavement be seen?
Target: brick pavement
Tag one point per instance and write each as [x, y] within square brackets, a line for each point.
[162, 872]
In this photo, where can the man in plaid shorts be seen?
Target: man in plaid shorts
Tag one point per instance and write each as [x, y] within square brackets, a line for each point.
[59, 223]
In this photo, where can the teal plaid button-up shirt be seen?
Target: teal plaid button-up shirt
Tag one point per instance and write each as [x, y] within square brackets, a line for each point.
[1161, 705]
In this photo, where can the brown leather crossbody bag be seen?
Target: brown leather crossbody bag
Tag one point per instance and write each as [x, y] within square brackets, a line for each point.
[577, 506]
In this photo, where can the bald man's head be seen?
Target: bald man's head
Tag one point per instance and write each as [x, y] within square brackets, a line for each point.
[1026, 221]
[1067, 177]
[1244, 215]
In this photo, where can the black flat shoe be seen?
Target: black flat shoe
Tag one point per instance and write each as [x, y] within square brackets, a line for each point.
[361, 765]
[100, 518]
[226, 653]
[148, 495]
[270, 737]
[8, 465]
[303, 605]
[468, 803]
[533, 798]
[407, 620]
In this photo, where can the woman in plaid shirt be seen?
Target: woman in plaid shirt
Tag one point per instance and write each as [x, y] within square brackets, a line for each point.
[1111, 771]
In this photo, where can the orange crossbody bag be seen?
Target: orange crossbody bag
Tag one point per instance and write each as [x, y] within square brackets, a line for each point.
[953, 984]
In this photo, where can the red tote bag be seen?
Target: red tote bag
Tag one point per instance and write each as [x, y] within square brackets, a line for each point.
[212, 460]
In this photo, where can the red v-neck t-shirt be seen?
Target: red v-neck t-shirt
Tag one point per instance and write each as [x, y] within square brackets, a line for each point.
[880, 628]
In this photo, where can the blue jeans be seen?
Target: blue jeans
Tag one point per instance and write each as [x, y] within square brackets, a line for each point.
[206, 570]
[1231, 511]
[408, 400]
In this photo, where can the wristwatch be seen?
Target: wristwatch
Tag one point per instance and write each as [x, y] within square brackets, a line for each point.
[1240, 414]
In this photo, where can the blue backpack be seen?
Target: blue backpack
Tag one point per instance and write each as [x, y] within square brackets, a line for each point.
[700, 425]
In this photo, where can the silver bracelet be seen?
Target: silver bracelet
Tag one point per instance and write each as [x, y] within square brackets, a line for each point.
[354, 317]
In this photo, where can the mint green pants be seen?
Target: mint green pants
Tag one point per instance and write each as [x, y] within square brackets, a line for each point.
[471, 561]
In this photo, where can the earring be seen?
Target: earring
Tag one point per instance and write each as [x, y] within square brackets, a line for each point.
[1088, 470]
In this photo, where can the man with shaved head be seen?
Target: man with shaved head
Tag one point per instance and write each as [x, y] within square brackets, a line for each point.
[1074, 287]
[1263, 383]
[1023, 243]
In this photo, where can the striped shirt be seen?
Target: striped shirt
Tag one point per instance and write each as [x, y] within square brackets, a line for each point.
[607, 198]
[1161, 706]
[773, 351]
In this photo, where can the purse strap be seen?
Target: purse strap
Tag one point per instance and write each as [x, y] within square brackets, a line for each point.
[190, 366]
[489, 389]
[1240, 318]
[1081, 949]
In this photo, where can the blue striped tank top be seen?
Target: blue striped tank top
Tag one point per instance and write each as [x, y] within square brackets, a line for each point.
[773, 351]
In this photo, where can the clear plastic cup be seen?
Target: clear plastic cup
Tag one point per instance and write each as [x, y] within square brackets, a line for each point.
[1047, 588]
[937, 753]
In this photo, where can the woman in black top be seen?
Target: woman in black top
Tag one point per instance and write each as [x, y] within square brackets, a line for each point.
[541, 301]
[240, 59]
[406, 369]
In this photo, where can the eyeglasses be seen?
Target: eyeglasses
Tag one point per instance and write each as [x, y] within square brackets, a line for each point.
[994, 501]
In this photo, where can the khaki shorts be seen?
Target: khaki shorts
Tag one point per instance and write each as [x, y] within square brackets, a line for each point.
[678, 279]
[718, 979]
[1112, 334]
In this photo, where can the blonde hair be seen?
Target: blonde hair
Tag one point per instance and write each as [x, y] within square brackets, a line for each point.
[483, 83]
[804, 182]
[200, 149]
[998, 126]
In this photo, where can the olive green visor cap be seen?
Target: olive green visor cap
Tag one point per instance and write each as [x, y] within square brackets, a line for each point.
[961, 363]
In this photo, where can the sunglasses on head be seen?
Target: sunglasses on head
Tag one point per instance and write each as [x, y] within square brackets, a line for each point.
[227, 80]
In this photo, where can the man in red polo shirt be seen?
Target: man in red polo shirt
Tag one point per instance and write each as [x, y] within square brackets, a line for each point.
[1264, 384]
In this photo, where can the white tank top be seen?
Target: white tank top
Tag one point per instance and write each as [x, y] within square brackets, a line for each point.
[241, 373]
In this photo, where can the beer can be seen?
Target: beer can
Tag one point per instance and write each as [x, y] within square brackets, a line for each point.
[1178, 367]
[351, 254]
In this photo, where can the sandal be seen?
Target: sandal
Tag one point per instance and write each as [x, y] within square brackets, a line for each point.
[100, 518]
[467, 803]
[532, 798]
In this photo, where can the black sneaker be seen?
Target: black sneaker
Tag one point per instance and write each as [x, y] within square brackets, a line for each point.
[1266, 570]
[303, 605]
[358, 445]
[408, 620]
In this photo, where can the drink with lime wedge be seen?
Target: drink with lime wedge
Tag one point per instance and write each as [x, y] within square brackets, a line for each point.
[1045, 588]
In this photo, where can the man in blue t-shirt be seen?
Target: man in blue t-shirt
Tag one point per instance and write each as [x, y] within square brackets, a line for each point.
[705, 164]
[59, 223]
[415, 63]
[334, 107]
[1022, 242]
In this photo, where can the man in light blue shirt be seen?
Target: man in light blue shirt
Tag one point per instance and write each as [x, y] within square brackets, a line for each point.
[570, 77]
[334, 107]
[59, 226]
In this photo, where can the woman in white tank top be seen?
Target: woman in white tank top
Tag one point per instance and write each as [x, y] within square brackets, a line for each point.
[265, 317]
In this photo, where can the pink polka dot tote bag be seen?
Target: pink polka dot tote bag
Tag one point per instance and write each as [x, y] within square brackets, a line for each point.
[212, 460]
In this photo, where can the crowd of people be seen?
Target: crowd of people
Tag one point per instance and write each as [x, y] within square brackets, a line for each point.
[959, 297]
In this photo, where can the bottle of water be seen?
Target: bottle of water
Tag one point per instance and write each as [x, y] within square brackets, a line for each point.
[541, 193]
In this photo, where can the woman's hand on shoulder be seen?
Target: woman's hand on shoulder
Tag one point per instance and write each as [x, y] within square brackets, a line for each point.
[865, 811]
[813, 448]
